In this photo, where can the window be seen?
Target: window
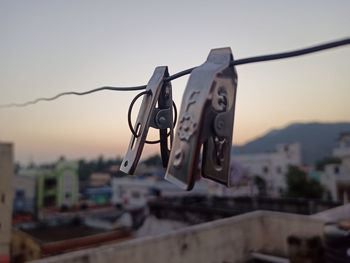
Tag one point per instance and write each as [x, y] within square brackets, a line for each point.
[265, 169]
[3, 198]
[278, 170]
[20, 193]
[50, 183]
[336, 169]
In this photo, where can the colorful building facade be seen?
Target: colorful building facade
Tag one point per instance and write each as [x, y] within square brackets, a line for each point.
[58, 187]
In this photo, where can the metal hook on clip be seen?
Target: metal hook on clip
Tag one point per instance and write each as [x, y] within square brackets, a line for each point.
[205, 122]
[161, 117]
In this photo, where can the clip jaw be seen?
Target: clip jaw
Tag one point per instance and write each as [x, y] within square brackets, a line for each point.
[157, 90]
[206, 118]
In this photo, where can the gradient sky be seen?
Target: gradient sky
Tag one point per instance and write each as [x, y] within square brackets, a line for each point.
[49, 47]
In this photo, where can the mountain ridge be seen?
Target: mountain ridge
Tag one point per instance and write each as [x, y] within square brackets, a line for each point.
[317, 139]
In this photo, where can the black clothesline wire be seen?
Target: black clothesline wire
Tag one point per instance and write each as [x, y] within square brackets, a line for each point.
[242, 61]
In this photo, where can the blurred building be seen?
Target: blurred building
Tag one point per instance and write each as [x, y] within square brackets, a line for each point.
[6, 177]
[98, 195]
[272, 167]
[137, 192]
[100, 179]
[98, 190]
[24, 199]
[336, 177]
[53, 186]
[58, 187]
[39, 240]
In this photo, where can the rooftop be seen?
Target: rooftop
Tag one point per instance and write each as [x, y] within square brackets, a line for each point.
[46, 234]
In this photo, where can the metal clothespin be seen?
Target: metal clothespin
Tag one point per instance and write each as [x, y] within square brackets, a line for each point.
[206, 119]
[161, 117]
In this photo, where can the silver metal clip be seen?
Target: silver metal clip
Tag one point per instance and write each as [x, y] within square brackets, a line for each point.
[161, 118]
[206, 119]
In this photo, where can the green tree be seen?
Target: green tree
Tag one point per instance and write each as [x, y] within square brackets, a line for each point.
[100, 164]
[299, 185]
[154, 160]
[83, 170]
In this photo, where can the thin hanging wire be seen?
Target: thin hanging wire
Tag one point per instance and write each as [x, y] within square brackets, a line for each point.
[243, 61]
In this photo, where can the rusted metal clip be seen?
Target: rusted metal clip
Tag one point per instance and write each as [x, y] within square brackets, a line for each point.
[161, 117]
[206, 119]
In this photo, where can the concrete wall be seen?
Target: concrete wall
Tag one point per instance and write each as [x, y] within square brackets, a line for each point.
[6, 175]
[335, 214]
[226, 240]
[276, 227]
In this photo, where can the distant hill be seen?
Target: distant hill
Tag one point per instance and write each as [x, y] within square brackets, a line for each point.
[317, 139]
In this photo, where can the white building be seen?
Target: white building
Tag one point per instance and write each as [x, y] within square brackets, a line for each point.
[272, 167]
[136, 192]
[6, 177]
[336, 177]
[343, 149]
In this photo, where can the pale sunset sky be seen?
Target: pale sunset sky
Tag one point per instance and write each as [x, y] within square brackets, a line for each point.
[48, 47]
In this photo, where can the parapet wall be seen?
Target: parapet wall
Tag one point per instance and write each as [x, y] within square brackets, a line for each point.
[227, 240]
